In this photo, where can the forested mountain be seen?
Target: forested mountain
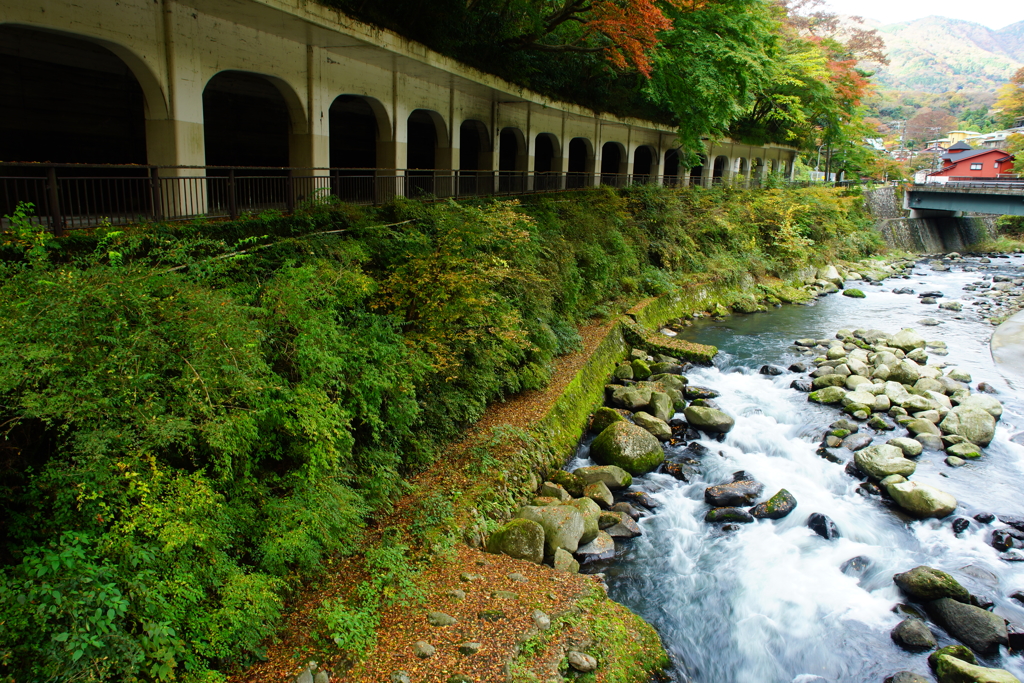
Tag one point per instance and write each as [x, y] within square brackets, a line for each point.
[936, 54]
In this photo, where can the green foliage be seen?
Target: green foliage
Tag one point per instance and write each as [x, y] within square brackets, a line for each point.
[195, 419]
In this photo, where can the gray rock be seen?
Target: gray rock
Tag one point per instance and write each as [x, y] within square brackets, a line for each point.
[910, 447]
[978, 629]
[551, 490]
[907, 676]
[953, 670]
[423, 649]
[907, 340]
[522, 539]
[881, 460]
[591, 512]
[743, 492]
[440, 619]
[823, 526]
[776, 507]
[581, 661]
[470, 648]
[401, 677]
[630, 447]
[626, 528]
[987, 403]
[541, 620]
[709, 419]
[924, 584]
[612, 477]
[656, 426]
[913, 635]
[728, 514]
[856, 442]
[563, 526]
[601, 548]
[599, 493]
[921, 500]
[662, 406]
[565, 562]
[974, 424]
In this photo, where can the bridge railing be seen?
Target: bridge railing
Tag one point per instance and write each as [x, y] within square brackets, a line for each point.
[75, 196]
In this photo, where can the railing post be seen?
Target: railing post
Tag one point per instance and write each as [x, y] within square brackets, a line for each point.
[53, 197]
[232, 207]
[289, 193]
[154, 179]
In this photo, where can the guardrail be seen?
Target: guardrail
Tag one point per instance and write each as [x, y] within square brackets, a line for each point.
[967, 182]
[75, 196]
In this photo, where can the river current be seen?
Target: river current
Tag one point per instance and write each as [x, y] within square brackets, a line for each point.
[771, 602]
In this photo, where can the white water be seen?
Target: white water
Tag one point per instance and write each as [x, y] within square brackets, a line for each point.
[769, 603]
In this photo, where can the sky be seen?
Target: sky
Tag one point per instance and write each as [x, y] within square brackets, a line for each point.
[992, 13]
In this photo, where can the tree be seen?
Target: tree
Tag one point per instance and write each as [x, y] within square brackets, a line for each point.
[1015, 145]
[928, 124]
[1011, 99]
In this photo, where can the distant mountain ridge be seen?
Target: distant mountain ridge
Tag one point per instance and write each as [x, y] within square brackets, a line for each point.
[936, 54]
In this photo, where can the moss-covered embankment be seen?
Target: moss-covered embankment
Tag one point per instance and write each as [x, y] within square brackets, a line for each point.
[264, 436]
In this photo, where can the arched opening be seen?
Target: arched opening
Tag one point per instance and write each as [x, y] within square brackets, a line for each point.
[245, 121]
[421, 149]
[611, 164]
[474, 158]
[545, 151]
[581, 163]
[671, 172]
[643, 160]
[781, 168]
[771, 166]
[697, 172]
[355, 128]
[68, 100]
[757, 172]
[742, 169]
[718, 170]
[511, 149]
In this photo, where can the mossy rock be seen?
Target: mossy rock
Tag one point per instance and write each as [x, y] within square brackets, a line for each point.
[925, 583]
[961, 652]
[623, 372]
[679, 348]
[853, 293]
[954, 670]
[572, 483]
[828, 395]
[625, 445]
[522, 539]
[603, 418]
[776, 507]
[641, 370]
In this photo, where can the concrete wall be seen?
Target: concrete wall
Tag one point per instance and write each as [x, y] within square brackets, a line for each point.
[313, 54]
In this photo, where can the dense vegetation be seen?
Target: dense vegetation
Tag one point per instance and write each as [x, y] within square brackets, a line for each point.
[780, 71]
[194, 419]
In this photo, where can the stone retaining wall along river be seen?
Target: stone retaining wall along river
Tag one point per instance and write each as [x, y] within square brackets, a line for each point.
[924, 235]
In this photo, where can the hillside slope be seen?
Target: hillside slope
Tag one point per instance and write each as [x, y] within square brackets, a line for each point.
[936, 54]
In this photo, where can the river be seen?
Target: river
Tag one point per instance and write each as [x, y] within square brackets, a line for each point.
[770, 602]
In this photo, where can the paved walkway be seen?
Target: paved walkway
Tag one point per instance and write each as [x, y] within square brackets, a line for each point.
[1008, 348]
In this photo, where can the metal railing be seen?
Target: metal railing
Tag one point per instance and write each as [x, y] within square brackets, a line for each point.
[970, 182]
[75, 196]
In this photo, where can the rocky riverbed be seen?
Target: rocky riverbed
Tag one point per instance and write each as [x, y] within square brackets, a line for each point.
[795, 484]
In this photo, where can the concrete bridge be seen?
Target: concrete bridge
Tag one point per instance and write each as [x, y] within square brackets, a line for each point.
[957, 198]
[294, 84]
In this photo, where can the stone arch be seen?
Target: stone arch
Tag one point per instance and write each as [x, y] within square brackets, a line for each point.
[672, 170]
[112, 97]
[718, 170]
[645, 158]
[580, 162]
[357, 125]
[697, 172]
[426, 135]
[613, 163]
[547, 154]
[475, 158]
[512, 160]
[247, 120]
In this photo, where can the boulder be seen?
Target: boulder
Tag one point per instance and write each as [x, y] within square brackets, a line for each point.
[974, 424]
[581, 661]
[965, 449]
[565, 562]
[641, 370]
[569, 481]
[630, 397]
[921, 500]
[522, 539]
[906, 677]
[658, 428]
[924, 584]
[910, 447]
[776, 507]
[978, 629]
[563, 526]
[599, 493]
[693, 392]
[907, 340]
[626, 528]
[854, 381]
[735, 493]
[823, 526]
[603, 418]
[913, 635]
[708, 420]
[881, 460]
[917, 404]
[896, 392]
[828, 395]
[623, 372]
[830, 379]
[920, 426]
[860, 397]
[601, 548]
[613, 477]
[855, 442]
[953, 670]
[961, 652]
[591, 512]
[990, 405]
[728, 514]
[628, 446]
[905, 372]
[661, 406]
[853, 293]
[552, 490]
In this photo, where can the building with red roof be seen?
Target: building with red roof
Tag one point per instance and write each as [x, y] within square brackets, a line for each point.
[962, 161]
